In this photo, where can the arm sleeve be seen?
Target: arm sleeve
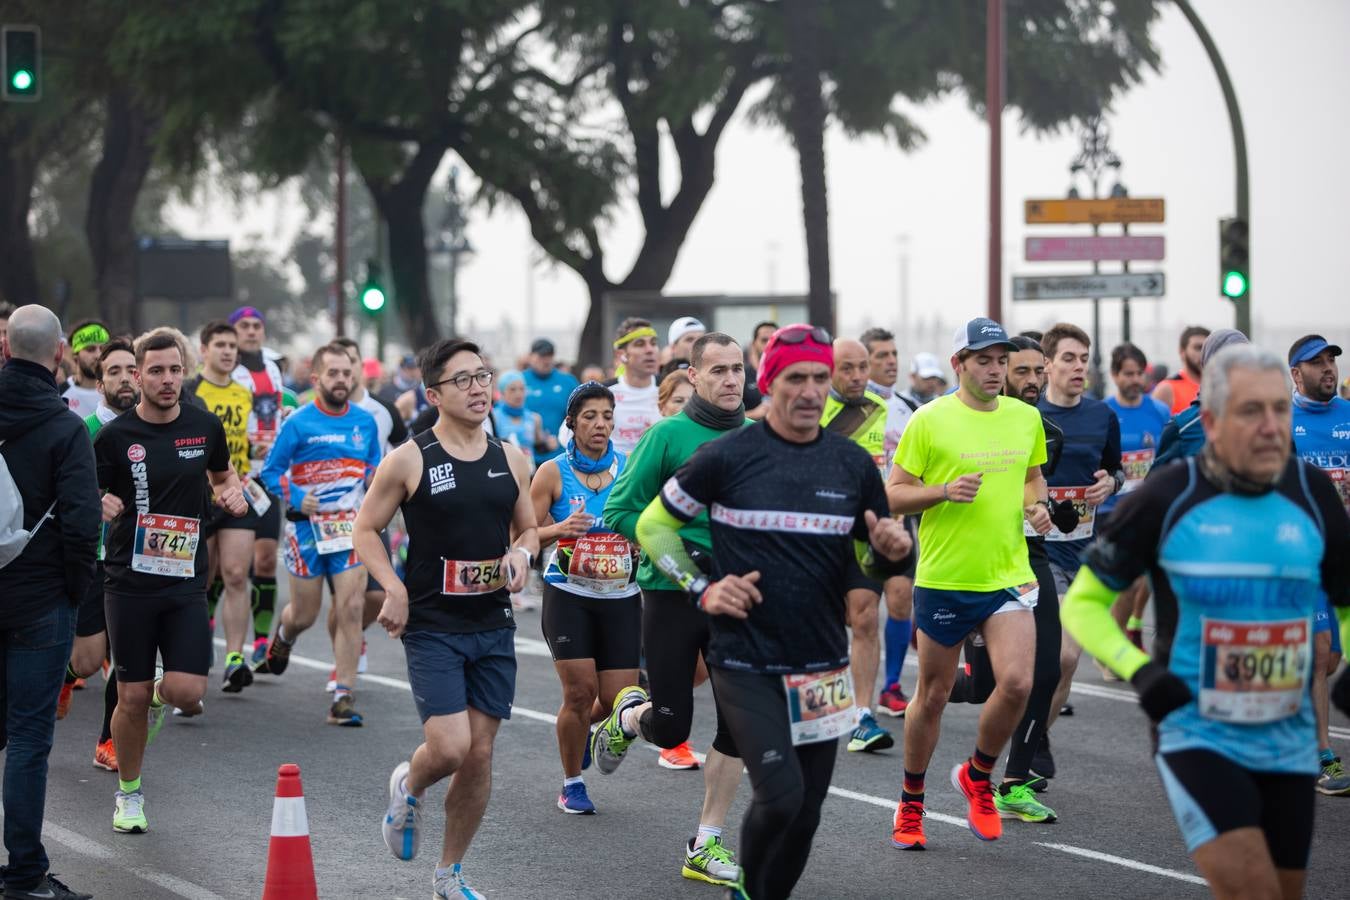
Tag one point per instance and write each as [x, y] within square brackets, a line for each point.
[637, 485]
[278, 461]
[658, 532]
[1086, 614]
[78, 512]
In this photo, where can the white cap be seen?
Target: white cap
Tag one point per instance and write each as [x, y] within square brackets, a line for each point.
[926, 365]
[682, 326]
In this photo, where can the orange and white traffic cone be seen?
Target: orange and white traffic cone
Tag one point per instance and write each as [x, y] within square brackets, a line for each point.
[290, 865]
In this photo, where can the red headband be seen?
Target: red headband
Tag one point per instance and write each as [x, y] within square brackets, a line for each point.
[779, 355]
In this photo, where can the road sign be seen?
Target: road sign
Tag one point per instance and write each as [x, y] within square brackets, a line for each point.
[1111, 209]
[1090, 249]
[1072, 287]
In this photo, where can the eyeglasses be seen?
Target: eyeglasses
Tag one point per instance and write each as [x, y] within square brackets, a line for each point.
[483, 377]
[798, 335]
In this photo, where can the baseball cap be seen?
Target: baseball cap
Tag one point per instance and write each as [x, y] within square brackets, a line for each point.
[1308, 346]
[926, 365]
[980, 333]
[246, 312]
[682, 326]
[543, 346]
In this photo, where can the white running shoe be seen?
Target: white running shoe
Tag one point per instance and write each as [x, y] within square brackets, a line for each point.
[400, 827]
[451, 886]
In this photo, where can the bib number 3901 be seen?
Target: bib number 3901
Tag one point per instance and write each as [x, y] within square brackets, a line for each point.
[165, 545]
[820, 706]
[333, 531]
[472, 576]
[1253, 672]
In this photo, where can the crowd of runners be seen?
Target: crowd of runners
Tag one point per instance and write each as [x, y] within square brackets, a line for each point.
[786, 518]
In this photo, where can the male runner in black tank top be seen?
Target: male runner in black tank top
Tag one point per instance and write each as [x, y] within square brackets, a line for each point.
[463, 494]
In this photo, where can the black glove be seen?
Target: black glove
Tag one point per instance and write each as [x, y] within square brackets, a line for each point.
[1063, 515]
[1160, 692]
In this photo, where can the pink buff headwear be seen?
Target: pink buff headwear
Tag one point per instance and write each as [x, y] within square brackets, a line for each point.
[793, 344]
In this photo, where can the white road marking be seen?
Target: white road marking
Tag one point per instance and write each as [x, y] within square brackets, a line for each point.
[1127, 863]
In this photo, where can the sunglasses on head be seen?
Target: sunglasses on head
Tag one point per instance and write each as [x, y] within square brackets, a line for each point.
[799, 334]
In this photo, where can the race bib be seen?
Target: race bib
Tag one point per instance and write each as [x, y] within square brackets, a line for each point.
[257, 497]
[1028, 594]
[472, 577]
[1136, 464]
[820, 706]
[333, 531]
[602, 563]
[1253, 672]
[165, 545]
[1086, 514]
[1341, 478]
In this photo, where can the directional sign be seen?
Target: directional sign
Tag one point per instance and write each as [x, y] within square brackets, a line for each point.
[1090, 249]
[1112, 209]
[1072, 287]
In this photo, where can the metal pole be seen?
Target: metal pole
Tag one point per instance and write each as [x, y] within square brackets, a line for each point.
[993, 101]
[340, 244]
[1242, 307]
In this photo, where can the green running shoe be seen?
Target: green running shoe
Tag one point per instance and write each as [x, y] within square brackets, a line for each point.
[1334, 782]
[129, 813]
[712, 862]
[1019, 802]
[608, 742]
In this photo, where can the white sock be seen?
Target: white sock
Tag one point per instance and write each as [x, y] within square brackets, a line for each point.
[863, 711]
[575, 779]
[706, 833]
[628, 721]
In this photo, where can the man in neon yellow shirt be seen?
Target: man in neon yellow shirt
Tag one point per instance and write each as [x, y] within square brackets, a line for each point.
[969, 462]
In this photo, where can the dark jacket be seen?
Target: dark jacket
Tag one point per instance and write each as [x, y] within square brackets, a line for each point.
[50, 458]
[1182, 438]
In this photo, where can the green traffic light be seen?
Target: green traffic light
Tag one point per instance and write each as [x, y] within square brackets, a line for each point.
[372, 298]
[1234, 284]
[21, 80]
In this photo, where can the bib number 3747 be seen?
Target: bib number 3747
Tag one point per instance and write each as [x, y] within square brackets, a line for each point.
[1253, 672]
[820, 705]
[165, 545]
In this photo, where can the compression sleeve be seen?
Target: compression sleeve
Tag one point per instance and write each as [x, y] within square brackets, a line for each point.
[1086, 613]
[658, 532]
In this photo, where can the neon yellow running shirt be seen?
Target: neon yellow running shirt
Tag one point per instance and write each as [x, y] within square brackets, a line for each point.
[975, 546]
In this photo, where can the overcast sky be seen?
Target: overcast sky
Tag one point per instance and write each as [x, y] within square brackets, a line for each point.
[1290, 68]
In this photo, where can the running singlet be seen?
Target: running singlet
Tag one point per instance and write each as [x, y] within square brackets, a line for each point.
[459, 527]
[1091, 442]
[863, 422]
[155, 547]
[1248, 572]
[263, 379]
[635, 410]
[232, 405]
[791, 512]
[602, 563]
[1184, 390]
[1322, 439]
[324, 454]
[973, 546]
[1141, 429]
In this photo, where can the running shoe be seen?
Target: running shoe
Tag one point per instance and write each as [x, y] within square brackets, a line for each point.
[586, 754]
[452, 886]
[981, 815]
[129, 813]
[361, 661]
[893, 702]
[609, 743]
[574, 801]
[681, 757]
[190, 712]
[1042, 761]
[343, 712]
[1334, 782]
[400, 828]
[869, 736]
[63, 700]
[259, 652]
[907, 827]
[237, 674]
[155, 719]
[47, 888]
[1066, 709]
[1019, 801]
[105, 756]
[278, 655]
[710, 861]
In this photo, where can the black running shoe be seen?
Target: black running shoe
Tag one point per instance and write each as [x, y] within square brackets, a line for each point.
[47, 888]
[278, 657]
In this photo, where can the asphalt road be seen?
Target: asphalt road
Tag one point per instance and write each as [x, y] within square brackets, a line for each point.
[209, 785]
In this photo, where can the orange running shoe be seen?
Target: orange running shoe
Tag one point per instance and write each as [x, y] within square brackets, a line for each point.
[105, 757]
[893, 702]
[907, 829]
[983, 819]
[63, 701]
[681, 757]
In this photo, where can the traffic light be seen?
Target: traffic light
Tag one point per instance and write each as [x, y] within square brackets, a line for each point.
[1234, 266]
[21, 52]
[372, 292]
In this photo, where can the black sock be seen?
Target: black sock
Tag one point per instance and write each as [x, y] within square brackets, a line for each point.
[981, 764]
[913, 789]
[109, 704]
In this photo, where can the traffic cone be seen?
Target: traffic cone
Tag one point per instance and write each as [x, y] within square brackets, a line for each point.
[290, 865]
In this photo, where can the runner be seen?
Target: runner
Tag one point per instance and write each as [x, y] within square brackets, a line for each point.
[1088, 473]
[787, 501]
[512, 420]
[86, 341]
[462, 493]
[635, 390]
[680, 338]
[1321, 422]
[154, 461]
[1235, 725]
[326, 450]
[263, 378]
[675, 634]
[592, 616]
[970, 463]
[883, 363]
[546, 391]
[229, 540]
[674, 393]
[860, 415]
[1177, 392]
[1184, 436]
[927, 380]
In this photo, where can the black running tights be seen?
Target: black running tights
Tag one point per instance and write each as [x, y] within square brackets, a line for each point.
[674, 633]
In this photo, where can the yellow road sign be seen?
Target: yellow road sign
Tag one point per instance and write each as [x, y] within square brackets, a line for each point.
[1095, 212]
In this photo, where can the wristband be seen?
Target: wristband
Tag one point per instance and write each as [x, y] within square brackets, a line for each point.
[944, 493]
[529, 557]
[697, 589]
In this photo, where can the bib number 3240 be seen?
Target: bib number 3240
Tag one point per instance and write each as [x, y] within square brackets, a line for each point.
[820, 706]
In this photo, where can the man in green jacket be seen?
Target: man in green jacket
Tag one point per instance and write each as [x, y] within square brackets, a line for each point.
[674, 632]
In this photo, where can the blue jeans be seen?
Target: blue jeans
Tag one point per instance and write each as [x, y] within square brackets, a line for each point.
[34, 658]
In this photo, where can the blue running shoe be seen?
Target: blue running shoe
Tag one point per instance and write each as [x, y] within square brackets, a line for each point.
[870, 736]
[573, 800]
[586, 754]
[452, 886]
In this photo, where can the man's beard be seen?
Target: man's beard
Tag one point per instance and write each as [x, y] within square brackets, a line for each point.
[1030, 394]
[331, 398]
[89, 373]
[122, 402]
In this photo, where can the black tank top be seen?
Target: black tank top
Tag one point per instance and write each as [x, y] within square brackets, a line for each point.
[459, 525]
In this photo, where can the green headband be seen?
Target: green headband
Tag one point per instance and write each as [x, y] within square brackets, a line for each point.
[88, 336]
[644, 331]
